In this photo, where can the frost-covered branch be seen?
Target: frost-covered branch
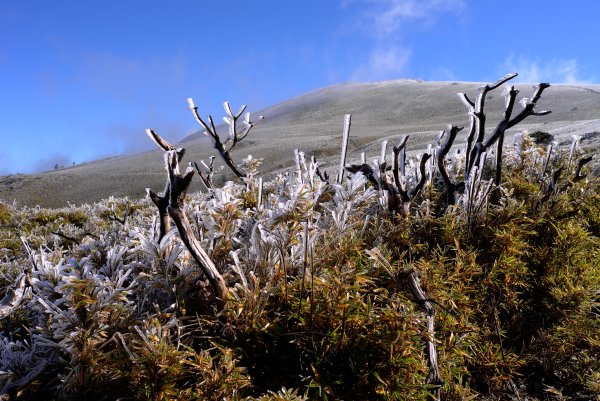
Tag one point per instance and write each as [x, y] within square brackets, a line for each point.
[451, 187]
[170, 203]
[225, 148]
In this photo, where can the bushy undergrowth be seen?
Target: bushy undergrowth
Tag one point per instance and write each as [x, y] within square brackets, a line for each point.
[318, 308]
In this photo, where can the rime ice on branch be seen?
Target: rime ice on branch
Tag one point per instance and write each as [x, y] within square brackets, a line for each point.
[170, 203]
[235, 137]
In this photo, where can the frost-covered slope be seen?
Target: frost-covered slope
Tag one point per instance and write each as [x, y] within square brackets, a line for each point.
[313, 123]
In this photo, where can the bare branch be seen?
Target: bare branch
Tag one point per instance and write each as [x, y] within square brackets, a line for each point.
[416, 189]
[225, 149]
[161, 201]
[209, 171]
[398, 168]
[477, 131]
[529, 105]
[510, 95]
[396, 198]
[158, 140]
[367, 171]
[73, 239]
[323, 176]
[502, 80]
[450, 135]
[472, 128]
[466, 101]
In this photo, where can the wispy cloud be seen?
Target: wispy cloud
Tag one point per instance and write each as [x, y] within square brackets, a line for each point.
[383, 63]
[385, 21]
[11, 164]
[52, 162]
[533, 70]
[127, 138]
[445, 74]
[386, 17]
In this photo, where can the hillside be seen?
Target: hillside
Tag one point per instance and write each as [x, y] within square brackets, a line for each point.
[446, 275]
[313, 123]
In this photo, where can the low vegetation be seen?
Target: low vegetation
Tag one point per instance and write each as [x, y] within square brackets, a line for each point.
[435, 277]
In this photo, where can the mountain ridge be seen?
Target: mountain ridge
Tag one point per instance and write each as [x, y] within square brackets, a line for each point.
[313, 122]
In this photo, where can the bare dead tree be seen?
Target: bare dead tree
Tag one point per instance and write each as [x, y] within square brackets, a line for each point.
[225, 148]
[179, 185]
[478, 121]
[173, 197]
[477, 116]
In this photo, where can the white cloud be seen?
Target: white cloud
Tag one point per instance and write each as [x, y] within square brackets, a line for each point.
[538, 70]
[383, 63]
[386, 17]
[400, 11]
[386, 21]
[445, 74]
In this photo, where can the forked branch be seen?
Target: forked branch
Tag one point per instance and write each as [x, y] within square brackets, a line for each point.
[209, 171]
[476, 145]
[161, 200]
[171, 202]
[477, 116]
[225, 148]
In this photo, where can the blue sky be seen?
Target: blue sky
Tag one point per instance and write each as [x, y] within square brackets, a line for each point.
[80, 80]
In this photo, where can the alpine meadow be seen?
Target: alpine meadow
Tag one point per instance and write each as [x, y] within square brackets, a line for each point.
[470, 270]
